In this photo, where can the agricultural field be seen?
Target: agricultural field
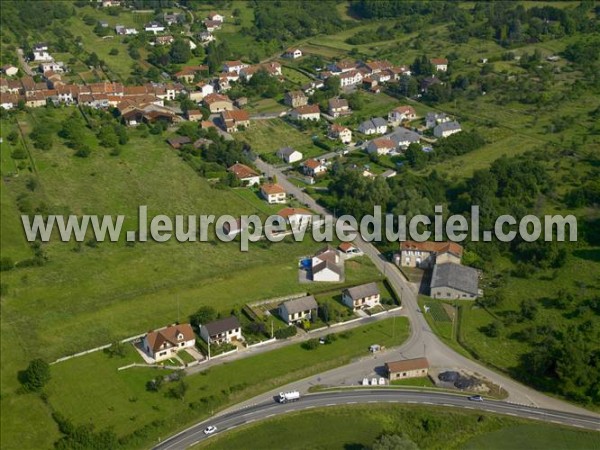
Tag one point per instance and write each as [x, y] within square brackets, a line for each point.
[453, 430]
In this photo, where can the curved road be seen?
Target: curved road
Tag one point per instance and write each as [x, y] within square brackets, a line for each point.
[267, 409]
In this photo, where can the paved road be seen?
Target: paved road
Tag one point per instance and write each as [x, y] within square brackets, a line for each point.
[423, 341]
[270, 408]
[24, 66]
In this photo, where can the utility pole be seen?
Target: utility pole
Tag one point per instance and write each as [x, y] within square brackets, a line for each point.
[208, 341]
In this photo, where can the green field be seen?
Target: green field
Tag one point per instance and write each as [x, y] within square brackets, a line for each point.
[119, 400]
[338, 428]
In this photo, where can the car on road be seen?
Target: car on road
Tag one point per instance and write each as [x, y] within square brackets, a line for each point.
[476, 398]
[210, 430]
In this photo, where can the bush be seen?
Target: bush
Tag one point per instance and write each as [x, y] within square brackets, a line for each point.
[36, 376]
[6, 263]
[311, 344]
[284, 333]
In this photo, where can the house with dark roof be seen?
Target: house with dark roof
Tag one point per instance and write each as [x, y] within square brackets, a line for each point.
[454, 281]
[327, 266]
[338, 107]
[289, 155]
[373, 126]
[363, 296]
[446, 129]
[298, 309]
[407, 368]
[403, 137]
[165, 343]
[222, 331]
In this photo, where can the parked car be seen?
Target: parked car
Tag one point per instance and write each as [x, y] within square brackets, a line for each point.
[210, 430]
[476, 398]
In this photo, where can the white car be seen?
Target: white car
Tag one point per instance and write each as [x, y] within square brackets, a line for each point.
[476, 398]
[210, 430]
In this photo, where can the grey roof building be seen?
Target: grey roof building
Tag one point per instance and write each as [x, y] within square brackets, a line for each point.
[364, 290]
[403, 137]
[297, 309]
[454, 281]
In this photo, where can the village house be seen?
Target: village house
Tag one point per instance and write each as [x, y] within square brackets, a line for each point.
[306, 112]
[54, 66]
[432, 119]
[298, 309]
[273, 193]
[215, 16]
[295, 99]
[222, 331]
[188, 73]
[164, 40]
[427, 82]
[374, 67]
[172, 18]
[390, 173]
[165, 343]
[400, 114]
[246, 175]
[292, 53]
[111, 3]
[234, 66]
[289, 155]
[350, 78]
[202, 90]
[348, 249]
[177, 141]
[232, 120]
[212, 25]
[313, 168]
[40, 53]
[446, 129]
[338, 107]
[373, 126]
[296, 218]
[407, 368]
[217, 103]
[194, 115]
[340, 132]
[454, 281]
[206, 37]
[440, 64]
[9, 101]
[342, 66]
[363, 296]
[325, 265]
[10, 70]
[381, 146]
[427, 254]
[154, 27]
[403, 137]
[124, 31]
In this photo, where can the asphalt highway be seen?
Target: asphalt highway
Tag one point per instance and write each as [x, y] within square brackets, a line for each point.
[268, 409]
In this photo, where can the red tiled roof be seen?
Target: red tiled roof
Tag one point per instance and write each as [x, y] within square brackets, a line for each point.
[430, 246]
[307, 109]
[271, 188]
[242, 171]
[287, 212]
[170, 335]
[407, 365]
[312, 163]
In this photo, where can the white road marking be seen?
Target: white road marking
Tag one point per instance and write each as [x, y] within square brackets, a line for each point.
[309, 407]
[330, 404]
[351, 403]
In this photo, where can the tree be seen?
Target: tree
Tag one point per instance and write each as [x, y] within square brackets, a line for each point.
[332, 84]
[415, 156]
[494, 329]
[204, 315]
[311, 344]
[180, 51]
[394, 442]
[36, 376]
[178, 391]
[529, 309]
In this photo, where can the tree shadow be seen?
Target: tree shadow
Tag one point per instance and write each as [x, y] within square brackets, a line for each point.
[588, 254]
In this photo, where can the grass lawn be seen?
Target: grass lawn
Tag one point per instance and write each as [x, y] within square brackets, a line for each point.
[453, 429]
[267, 136]
[118, 399]
[374, 105]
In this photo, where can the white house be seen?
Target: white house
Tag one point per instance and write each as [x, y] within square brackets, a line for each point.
[403, 137]
[373, 126]
[312, 167]
[306, 112]
[273, 193]
[289, 155]
[57, 67]
[234, 66]
[325, 266]
[440, 64]
[401, 113]
[350, 78]
[222, 331]
[297, 218]
[446, 129]
[163, 344]
[292, 53]
[340, 132]
[40, 53]
[433, 119]
[10, 70]
[363, 296]
[381, 146]
[246, 175]
[215, 17]
[154, 27]
[298, 309]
